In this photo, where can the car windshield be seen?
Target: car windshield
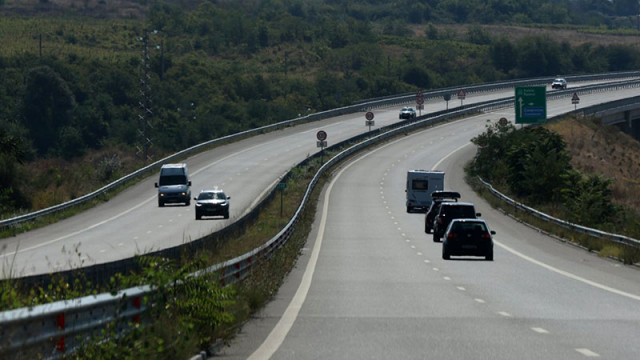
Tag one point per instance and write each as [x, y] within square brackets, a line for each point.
[172, 180]
[211, 196]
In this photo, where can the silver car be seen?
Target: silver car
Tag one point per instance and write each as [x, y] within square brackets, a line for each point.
[407, 112]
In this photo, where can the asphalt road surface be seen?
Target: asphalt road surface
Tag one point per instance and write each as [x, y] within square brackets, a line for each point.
[371, 284]
[133, 224]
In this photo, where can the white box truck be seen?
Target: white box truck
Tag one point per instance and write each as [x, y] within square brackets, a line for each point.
[420, 185]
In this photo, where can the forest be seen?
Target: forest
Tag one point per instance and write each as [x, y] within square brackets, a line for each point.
[83, 87]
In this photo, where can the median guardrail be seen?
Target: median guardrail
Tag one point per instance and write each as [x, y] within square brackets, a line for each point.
[51, 330]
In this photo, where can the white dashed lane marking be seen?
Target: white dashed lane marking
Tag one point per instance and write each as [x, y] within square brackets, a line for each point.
[539, 330]
[587, 352]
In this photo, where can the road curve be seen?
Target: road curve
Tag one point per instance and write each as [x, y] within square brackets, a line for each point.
[131, 223]
[371, 284]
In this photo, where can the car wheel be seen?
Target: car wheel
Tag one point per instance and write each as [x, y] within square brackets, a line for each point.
[408, 209]
[198, 216]
[445, 253]
[489, 256]
[435, 238]
[188, 202]
[226, 215]
[160, 203]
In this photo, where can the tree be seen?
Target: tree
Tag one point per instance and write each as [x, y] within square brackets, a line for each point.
[47, 106]
[503, 55]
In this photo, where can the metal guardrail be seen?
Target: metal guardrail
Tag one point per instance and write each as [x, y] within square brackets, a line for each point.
[48, 331]
[369, 104]
[619, 239]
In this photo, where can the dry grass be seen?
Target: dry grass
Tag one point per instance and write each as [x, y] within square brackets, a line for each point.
[605, 151]
[572, 36]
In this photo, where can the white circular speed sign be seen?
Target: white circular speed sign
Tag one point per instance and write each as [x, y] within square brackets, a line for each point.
[368, 115]
[321, 135]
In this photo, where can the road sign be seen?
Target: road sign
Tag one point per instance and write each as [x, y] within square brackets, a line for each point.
[462, 94]
[321, 144]
[531, 105]
[575, 99]
[419, 98]
[321, 135]
[369, 115]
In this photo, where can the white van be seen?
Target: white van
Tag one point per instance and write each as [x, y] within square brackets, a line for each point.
[174, 185]
[420, 185]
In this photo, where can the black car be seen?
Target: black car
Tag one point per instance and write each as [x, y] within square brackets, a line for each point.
[211, 203]
[468, 237]
[449, 211]
[437, 197]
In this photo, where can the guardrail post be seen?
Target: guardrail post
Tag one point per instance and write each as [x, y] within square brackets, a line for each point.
[60, 321]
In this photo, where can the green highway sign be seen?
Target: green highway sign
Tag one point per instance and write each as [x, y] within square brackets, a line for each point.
[531, 105]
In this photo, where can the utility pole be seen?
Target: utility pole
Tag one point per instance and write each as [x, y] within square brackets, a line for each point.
[146, 115]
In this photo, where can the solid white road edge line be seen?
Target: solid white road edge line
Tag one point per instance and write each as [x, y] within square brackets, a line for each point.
[279, 332]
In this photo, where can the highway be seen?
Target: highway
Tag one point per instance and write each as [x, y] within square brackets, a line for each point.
[132, 223]
[370, 284]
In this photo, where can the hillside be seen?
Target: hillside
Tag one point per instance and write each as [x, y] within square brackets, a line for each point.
[70, 72]
[605, 151]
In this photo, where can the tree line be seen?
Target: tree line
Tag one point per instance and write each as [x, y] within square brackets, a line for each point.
[219, 68]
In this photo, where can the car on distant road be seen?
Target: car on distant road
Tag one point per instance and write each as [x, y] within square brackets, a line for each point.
[437, 198]
[212, 203]
[468, 237]
[174, 185]
[449, 211]
[559, 83]
[407, 112]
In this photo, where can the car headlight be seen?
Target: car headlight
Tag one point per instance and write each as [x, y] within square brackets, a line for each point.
[198, 204]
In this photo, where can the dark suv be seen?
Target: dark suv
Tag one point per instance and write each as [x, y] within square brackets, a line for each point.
[449, 211]
[437, 197]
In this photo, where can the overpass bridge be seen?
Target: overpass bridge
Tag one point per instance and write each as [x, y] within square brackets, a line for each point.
[624, 113]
